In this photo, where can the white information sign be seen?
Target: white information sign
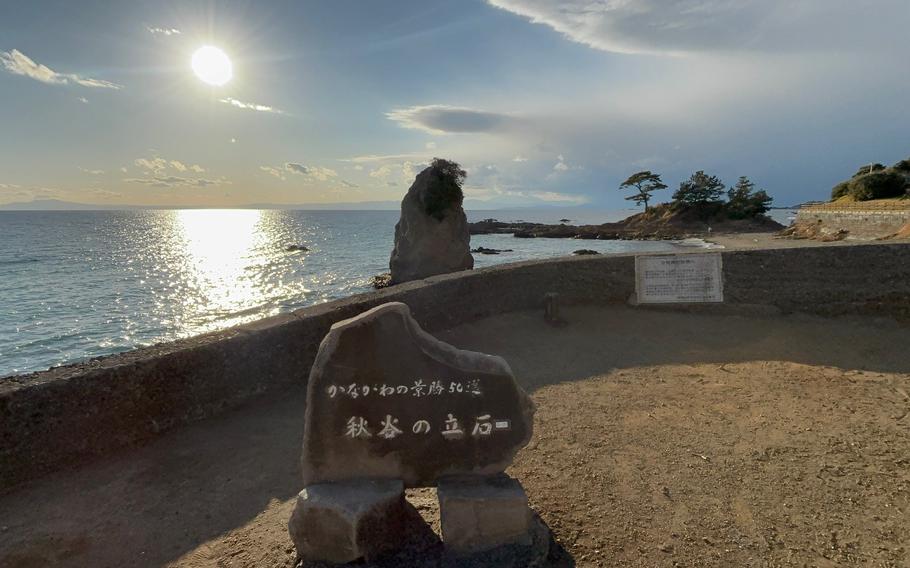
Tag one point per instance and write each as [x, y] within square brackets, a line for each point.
[679, 278]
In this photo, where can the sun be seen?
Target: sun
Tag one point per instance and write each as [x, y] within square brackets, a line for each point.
[212, 65]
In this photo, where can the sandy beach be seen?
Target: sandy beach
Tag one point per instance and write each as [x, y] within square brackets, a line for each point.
[758, 441]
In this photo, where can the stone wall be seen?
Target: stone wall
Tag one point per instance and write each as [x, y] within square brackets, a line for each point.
[70, 414]
[861, 221]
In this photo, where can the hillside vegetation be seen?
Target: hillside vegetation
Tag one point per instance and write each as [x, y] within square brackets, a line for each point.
[875, 181]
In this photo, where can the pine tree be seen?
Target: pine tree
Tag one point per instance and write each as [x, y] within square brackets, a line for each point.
[744, 202]
[699, 189]
[645, 182]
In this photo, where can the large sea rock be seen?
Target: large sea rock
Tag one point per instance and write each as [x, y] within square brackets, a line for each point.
[424, 244]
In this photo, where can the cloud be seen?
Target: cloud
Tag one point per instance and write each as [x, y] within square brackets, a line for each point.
[83, 100]
[430, 145]
[177, 181]
[297, 168]
[154, 164]
[250, 106]
[445, 119]
[381, 172]
[373, 158]
[346, 183]
[273, 172]
[689, 26]
[91, 172]
[315, 172]
[159, 165]
[522, 197]
[163, 31]
[519, 158]
[18, 63]
[410, 169]
[310, 172]
[555, 196]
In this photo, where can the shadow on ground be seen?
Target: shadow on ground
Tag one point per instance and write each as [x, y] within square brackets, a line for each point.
[597, 340]
[219, 492]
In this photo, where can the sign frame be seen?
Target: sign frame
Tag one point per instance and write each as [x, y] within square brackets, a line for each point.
[705, 265]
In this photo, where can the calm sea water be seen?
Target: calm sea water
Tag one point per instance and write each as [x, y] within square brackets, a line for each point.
[79, 284]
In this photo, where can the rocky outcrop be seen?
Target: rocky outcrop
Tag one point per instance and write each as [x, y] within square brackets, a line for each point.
[485, 250]
[432, 235]
[657, 224]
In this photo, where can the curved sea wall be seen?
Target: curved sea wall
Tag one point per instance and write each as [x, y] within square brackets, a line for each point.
[70, 414]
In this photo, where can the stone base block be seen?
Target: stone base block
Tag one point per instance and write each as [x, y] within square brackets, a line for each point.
[482, 513]
[345, 521]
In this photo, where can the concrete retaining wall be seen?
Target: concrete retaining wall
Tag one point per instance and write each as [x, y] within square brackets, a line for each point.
[70, 414]
[863, 223]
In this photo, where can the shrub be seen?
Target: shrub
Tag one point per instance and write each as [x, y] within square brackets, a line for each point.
[903, 166]
[444, 190]
[877, 185]
[840, 190]
[868, 170]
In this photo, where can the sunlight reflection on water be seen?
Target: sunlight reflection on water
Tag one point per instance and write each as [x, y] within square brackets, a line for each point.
[80, 284]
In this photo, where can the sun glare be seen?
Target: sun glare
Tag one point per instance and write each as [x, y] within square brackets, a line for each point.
[212, 65]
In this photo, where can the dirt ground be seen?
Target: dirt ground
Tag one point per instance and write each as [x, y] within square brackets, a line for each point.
[661, 439]
[737, 241]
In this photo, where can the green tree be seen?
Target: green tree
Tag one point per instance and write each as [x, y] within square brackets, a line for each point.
[868, 170]
[743, 202]
[645, 182]
[699, 190]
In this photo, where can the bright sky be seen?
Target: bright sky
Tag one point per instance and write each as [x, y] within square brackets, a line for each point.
[543, 102]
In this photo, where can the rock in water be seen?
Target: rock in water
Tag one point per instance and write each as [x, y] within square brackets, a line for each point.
[386, 400]
[432, 235]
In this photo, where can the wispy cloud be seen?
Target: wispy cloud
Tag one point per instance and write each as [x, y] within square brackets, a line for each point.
[91, 172]
[379, 158]
[18, 63]
[445, 119]
[250, 106]
[318, 173]
[296, 168]
[273, 172]
[163, 31]
[691, 26]
[315, 172]
[177, 181]
[159, 165]
[381, 172]
[83, 100]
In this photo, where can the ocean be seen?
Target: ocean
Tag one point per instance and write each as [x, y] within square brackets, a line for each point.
[79, 284]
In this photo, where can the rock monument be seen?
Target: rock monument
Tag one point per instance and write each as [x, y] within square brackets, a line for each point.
[432, 235]
[389, 407]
